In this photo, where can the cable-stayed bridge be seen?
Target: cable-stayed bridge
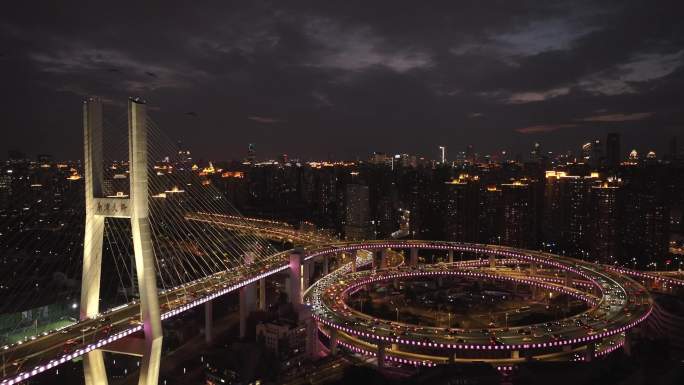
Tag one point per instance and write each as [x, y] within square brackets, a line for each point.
[172, 239]
[158, 239]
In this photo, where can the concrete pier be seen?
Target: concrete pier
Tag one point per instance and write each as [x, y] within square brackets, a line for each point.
[208, 321]
[295, 278]
[413, 259]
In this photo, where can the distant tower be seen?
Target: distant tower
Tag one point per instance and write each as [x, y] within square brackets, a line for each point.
[592, 153]
[136, 208]
[251, 152]
[597, 156]
[470, 153]
[535, 154]
[613, 150]
[442, 150]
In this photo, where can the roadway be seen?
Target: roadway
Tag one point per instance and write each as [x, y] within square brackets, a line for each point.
[622, 303]
[272, 230]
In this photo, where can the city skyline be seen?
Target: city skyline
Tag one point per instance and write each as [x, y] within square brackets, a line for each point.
[365, 78]
[596, 153]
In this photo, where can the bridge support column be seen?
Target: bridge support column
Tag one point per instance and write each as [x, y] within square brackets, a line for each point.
[142, 244]
[451, 256]
[333, 341]
[533, 268]
[295, 278]
[527, 353]
[247, 299]
[306, 275]
[287, 288]
[354, 256]
[311, 339]
[382, 346]
[93, 362]
[515, 354]
[136, 209]
[208, 321]
[384, 258]
[262, 294]
[247, 305]
[326, 265]
[627, 346]
[590, 352]
[94, 370]
[492, 261]
[413, 257]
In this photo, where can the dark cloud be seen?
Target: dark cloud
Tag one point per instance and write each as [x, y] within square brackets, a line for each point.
[347, 77]
[618, 117]
[544, 128]
[264, 119]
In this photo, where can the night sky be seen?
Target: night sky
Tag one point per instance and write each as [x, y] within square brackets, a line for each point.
[345, 78]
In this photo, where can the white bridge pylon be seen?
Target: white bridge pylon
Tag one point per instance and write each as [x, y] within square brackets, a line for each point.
[136, 208]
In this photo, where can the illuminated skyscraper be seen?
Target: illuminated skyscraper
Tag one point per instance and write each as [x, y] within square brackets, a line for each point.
[592, 153]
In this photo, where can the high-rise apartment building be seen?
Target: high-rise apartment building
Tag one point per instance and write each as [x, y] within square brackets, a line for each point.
[518, 214]
[357, 212]
[491, 215]
[566, 211]
[461, 209]
[604, 222]
[646, 220]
